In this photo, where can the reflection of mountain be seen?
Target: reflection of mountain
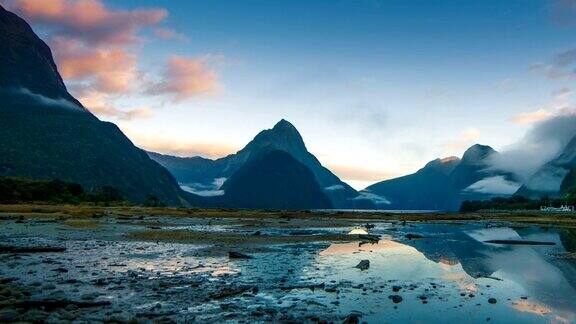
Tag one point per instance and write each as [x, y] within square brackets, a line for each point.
[546, 279]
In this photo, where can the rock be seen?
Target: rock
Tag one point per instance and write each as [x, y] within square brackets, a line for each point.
[492, 300]
[395, 298]
[396, 288]
[363, 265]
[8, 315]
[411, 236]
[238, 255]
[352, 319]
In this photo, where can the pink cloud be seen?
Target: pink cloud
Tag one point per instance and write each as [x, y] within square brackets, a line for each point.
[531, 117]
[111, 70]
[184, 78]
[97, 103]
[90, 20]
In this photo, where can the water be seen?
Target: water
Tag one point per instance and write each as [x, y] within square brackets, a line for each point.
[448, 276]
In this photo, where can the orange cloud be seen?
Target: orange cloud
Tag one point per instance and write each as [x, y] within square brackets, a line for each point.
[111, 70]
[184, 78]
[361, 174]
[97, 104]
[88, 19]
[531, 117]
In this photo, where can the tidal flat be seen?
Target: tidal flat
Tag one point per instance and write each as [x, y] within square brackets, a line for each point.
[94, 264]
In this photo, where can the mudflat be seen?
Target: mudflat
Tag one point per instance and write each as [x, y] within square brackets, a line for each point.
[91, 263]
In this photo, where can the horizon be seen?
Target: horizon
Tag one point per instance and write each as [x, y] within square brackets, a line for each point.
[397, 86]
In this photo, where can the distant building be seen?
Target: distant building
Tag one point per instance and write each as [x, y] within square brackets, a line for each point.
[563, 208]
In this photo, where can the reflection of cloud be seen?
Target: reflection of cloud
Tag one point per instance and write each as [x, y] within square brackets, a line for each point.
[352, 247]
[526, 306]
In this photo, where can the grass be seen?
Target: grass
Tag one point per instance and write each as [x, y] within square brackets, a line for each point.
[182, 236]
[82, 223]
[94, 211]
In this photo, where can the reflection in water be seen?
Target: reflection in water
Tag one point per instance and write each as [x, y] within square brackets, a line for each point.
[524, 279]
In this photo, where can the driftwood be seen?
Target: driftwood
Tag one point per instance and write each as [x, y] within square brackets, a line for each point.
[31, 249]
[519, 242]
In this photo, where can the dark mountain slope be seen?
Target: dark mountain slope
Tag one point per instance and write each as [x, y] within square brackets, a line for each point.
[428, 188]
[45, 133]
[274, 180]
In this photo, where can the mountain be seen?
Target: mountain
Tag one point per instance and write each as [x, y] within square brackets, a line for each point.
[443, 184]
[205, 175]
[555, 177]
[47, 134]
[427, 189]
[274, 180]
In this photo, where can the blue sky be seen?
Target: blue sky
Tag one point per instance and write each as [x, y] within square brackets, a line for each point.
[377, 88]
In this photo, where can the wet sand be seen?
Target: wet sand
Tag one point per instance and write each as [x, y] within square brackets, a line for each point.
[160, 264]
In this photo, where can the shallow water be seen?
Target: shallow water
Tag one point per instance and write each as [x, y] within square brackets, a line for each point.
[447, 276]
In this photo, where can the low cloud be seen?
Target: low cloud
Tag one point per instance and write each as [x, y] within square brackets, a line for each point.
[497, 185]
[184, 78]
[45, 101]
[544, 141]
[376, 199]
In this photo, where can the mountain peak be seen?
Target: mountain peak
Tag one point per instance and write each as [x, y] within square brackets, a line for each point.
[477, 153]
[284, 125]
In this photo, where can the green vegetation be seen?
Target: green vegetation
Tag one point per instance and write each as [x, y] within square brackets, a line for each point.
[20, 190]
[516, 203]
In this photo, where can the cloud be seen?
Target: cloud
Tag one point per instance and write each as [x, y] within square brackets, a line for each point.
[561, 66]
[167, 33]
[184, 78]
[563, 12]
[89, 20]
[376, 199]
[97, 103]
[466, 138]
[497, 185]
[543, 142]
[45, 101]
[530, 117]
[360, 174]
[561, 103]
[172, 145]
[109, 70]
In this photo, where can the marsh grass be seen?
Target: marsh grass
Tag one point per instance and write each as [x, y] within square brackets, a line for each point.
[82, 223]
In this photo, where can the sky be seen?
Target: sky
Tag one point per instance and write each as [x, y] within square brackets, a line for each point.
[377, 88]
